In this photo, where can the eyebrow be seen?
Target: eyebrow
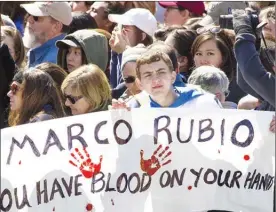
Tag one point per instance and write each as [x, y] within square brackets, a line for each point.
[149, 72]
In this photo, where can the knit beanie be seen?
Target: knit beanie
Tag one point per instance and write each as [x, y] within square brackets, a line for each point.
[131, 54]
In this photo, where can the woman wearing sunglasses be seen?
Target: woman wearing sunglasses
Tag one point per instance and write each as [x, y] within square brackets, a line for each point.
[213, 47]
[128, 69]
[86, 90]
[34, 97]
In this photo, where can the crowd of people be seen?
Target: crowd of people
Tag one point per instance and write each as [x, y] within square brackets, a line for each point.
[60, 59]
[68, 58]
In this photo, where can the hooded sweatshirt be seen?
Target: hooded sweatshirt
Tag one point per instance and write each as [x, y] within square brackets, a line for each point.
[93, 44]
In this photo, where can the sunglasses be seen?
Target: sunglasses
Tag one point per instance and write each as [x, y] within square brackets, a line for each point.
[213, 29]
[129, 79]
[226, 93]
[14, 88]
[73, 99]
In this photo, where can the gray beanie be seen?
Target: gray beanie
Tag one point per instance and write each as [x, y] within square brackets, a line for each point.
[132, 53]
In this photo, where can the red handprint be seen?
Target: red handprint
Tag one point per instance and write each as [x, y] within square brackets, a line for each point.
[153, 164]
[86, 166]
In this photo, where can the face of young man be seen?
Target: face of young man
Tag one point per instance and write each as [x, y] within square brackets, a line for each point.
[157, 79]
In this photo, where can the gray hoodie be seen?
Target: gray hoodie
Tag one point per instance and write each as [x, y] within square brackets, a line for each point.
[93, 44]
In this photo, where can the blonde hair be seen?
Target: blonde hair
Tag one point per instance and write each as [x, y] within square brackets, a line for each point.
[152, 56]
[90, 82]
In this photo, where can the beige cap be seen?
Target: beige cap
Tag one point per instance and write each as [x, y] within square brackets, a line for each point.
[60, 11]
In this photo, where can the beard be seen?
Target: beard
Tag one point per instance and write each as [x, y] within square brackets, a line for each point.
[29, 39]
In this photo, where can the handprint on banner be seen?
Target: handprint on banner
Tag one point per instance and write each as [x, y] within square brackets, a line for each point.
[152, 165]
[86, 166]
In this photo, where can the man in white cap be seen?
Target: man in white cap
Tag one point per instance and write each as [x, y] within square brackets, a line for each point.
[47, 22]
[135, 26]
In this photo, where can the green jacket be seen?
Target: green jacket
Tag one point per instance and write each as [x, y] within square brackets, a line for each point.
[93, 44]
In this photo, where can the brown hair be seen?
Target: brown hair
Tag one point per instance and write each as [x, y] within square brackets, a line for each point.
[162, 33]
[1, 21]
[152, 56]
[90, 82]
[225, 46]
[148, 39]
[39, 90]
[18, 44]
[55, 71]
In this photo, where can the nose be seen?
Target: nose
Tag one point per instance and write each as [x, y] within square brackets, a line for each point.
[68, 103]
[204, 61]
[9, 94]
[70, 56]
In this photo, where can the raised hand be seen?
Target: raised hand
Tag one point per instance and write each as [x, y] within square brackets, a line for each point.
[85, 165]
[152, 165]
[272, 125]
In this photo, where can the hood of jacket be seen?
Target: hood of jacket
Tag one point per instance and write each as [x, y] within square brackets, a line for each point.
[93, 44]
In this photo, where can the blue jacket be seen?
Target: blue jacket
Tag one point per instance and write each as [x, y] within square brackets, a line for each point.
[252, 76]
[47, 52]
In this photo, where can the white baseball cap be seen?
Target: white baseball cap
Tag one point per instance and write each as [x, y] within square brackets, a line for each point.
[60, 11]
[139, 17]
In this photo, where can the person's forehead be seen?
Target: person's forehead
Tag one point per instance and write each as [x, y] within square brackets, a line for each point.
[154, 66]
[99, 5]
[208, 44]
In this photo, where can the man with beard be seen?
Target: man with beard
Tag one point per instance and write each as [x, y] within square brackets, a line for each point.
[47, 22]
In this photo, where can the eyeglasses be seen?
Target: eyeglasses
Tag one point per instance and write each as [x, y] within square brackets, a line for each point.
[14, 88]
[73, 99]
[226, 93]
[130, 79]
[212, 29]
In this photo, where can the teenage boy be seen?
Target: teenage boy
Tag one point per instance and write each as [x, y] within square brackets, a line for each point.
[157, 75]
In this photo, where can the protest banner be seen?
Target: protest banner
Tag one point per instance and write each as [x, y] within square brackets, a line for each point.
[151, 160]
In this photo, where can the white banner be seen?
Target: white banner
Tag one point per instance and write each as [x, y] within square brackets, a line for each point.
[152, 160]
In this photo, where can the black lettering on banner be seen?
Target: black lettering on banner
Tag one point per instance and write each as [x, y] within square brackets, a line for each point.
[56, 142]
[40, 192]
[98, 178]
[145, 187]
[157, 130]
[262, 183]
[256, 181]
[270, 182]
[168, 180]
[207, 174]
[117, 138]
[134, 175]
[176, 178]
[249, 179]
[96, 133]
[266, 182]
[77, 185]
[5, 192]
[178, 131]
[237, 175]
[225, 180]
[203, 130]
[119, 183]
[56, 188]
[108, 182]
[197, 174]
[75, 137]
[25, 198]
[222, 131]
[250, 137]
[68, 187]
[15, 142]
